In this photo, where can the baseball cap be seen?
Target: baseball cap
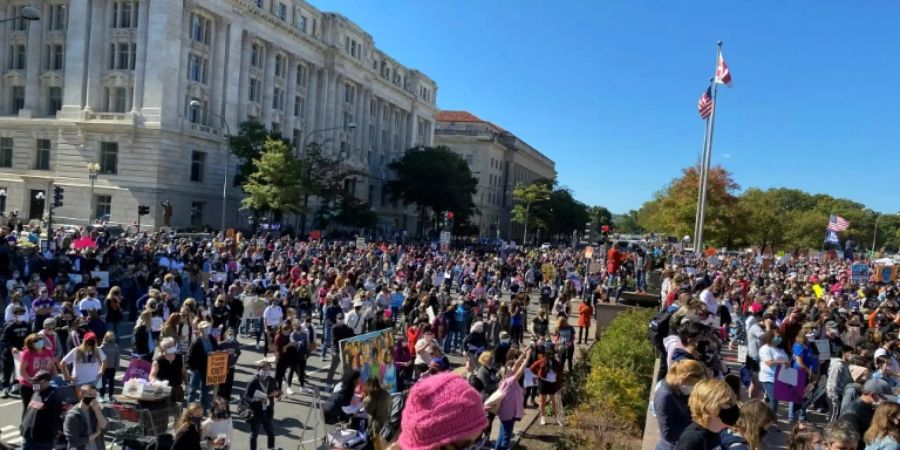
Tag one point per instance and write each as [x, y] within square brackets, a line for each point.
[90, 335]
[880, 387]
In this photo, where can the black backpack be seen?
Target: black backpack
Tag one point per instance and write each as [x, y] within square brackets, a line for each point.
[660, 329]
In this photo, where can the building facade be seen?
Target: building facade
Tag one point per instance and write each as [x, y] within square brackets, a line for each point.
[499, 160]
[149, 90]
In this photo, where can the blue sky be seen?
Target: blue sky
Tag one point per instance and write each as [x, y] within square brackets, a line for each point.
[608, 89]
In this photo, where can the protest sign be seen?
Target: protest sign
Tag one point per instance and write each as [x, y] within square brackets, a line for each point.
[860, 273]
[137, 368]
[216, 368]
[371, 354]
[102, 277]
[360, 243]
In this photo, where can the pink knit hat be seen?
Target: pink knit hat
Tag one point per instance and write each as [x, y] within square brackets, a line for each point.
[441, 409]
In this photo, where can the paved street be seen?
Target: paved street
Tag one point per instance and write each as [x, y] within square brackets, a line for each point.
[290, 413]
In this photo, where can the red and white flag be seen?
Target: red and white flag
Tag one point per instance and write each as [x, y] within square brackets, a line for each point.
[705, 104]
[723, 75]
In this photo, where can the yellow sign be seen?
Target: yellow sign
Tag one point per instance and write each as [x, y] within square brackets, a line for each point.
[216, 368]
[818, 290]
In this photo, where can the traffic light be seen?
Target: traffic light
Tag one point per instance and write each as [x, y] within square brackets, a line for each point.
[58, 196]
[143, 210]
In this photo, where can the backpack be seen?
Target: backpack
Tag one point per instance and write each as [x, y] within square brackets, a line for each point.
[659, 329]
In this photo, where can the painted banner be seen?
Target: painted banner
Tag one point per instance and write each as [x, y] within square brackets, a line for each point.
[372, 354]
[137, 368]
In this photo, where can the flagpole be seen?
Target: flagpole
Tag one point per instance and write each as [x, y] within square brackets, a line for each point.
[701, 174]
[707, 155]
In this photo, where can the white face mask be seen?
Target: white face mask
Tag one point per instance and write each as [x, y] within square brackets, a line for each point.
[686, 389]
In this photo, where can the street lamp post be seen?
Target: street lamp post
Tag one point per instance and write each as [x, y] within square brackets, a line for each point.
[196, 104]
[350, 126]
[26, 13]
[93, 169]
[875, 232]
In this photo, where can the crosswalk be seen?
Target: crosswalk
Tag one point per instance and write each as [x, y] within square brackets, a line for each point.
[9, 434]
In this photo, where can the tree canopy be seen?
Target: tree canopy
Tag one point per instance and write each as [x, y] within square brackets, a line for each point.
[435, 179]
[779, 217]
[275, 184]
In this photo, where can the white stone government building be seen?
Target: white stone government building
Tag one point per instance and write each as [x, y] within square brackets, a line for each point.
[500, 160]
[112, 82]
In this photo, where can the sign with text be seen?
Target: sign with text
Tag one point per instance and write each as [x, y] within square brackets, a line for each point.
[860, 273]
[216, 368]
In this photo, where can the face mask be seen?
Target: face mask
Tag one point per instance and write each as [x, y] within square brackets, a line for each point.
[263, 373]
[686, 389]
[811, 336]
[87, 400]
[197, 420]
[777, 341]
[38, 344]
[763, 432]
[701, 346]
[730, 416]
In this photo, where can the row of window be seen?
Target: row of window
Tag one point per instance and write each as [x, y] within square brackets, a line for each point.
[54, 57]
[280, 9]
[17, 100]
[109, 158]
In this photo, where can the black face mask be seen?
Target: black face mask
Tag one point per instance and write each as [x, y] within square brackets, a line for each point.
[730, 416]
[702, 346]
[87, 400]
[763, 432]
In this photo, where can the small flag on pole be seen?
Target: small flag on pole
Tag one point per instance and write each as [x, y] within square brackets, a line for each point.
[704, 105]
[723, 75]
[838, 223]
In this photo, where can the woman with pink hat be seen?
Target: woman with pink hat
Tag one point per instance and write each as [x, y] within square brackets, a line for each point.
[442, 411]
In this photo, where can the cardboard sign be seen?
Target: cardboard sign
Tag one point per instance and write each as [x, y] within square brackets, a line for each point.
[360, 243]
[216, 368]
[742, 353]
[595, 267]
[103, 278]
[588, 252]
[445, 238]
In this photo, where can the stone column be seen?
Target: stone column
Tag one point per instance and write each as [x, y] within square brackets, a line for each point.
[140, 64]
[312, 113]
[33, 69]
[4, 49]
[218, 67]
[328, 106]
[379, 116]
[163, 66]
[243, 89]
[290, 120]
[98, 50]
[76, 59]
[268, 85]
[360, 120]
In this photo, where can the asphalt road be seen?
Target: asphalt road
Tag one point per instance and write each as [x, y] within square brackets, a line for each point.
[290, 413]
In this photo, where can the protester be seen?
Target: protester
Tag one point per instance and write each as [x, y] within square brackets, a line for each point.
[858, 417]
[771, 356]
[884, 433]
[442, 411]
[261, 394]
[40, 424]
[168, 367]
[196, 360]
[549, 370]
[217, 429]
[187, 430]
[110, 349]
[670, 401]
[84, 423]
[512, 406]
[713, 408]
[751, 428]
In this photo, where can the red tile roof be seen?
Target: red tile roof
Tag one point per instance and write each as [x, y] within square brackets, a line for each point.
[457, 116]
[464, 116]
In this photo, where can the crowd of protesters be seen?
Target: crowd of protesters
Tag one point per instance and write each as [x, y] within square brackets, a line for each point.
[174, 299]
[811, 333]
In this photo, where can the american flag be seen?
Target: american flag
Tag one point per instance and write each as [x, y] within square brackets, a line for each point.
[838, 223]
[705, 104]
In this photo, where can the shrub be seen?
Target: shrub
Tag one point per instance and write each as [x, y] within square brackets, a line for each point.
[612, 398]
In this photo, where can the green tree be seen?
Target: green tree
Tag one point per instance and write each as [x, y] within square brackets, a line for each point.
[248, 144]
[275, 185]
[600, 216]
[525, 198]
[628, 223]
[434, 179]
[673, 209]
[354, 213]
[322, 176]
[566, 213]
